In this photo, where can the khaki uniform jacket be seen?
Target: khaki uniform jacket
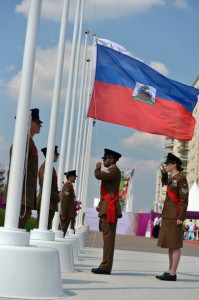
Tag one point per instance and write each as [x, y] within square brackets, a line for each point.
[29, 190]
[67, 201]
[110, 179]
[178, 185]
[54, 196]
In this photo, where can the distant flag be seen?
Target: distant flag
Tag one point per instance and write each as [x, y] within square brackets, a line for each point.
[130, 93]
[112, 45]
[126, 177]
[129, 174]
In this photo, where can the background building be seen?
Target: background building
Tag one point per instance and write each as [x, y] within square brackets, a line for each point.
[193, 149]
[2, 176]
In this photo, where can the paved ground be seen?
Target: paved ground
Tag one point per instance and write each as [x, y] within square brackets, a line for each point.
[140, 244]
[137, 261]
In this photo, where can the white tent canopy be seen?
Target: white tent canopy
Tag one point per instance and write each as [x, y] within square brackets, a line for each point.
[193, 198]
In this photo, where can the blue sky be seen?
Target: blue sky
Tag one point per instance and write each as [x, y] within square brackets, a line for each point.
[162, 33]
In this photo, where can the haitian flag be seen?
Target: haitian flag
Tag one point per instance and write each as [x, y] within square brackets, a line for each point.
[130, 93]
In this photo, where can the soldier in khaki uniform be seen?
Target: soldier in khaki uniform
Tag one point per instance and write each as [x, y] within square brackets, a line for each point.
[28, 202]
[109, 207]
[54, 196]
[67, 214]
[173, 214]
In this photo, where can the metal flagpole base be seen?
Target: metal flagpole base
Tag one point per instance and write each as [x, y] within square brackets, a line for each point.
[58, 233]
[14, 237]
[65, 253]
[79, 235]
[30, 273]
[46, 238]
[73, 242]
[74, 237]
[70, 232]
[55, 226]
[83, 232]
[45, 235]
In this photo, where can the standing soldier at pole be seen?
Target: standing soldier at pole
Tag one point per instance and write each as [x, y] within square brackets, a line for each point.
[28, 201]
[67, 214]
[109, 207]
[54, 196]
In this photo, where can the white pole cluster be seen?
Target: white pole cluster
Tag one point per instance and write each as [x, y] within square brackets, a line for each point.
[81, 106]
[80, 162]
[20, 136]
[74, 91]
[87, 138]
[68, 101]
[85, 173]
[53, 121]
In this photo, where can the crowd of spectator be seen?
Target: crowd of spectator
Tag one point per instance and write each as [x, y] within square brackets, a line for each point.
[191, 230]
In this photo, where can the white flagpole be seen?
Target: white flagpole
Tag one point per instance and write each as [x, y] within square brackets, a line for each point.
[86, 175]
[83, 136]
[82, 123]
[85, 166]
[86, 99]
[82, 168]
[78, 136]
[64, 141]
[69, 161]
[44, 212]
[129, 198]
[21, 127]
[87, 89]
[86, 151]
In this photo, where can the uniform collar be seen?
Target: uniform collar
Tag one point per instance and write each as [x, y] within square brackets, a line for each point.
[175, 174]
[112, 166]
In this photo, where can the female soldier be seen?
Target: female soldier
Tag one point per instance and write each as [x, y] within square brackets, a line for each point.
[173, 214]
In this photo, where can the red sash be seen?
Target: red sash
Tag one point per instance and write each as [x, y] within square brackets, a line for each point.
[111, 209]
[54, 171]
[34, 148]
[174, 198]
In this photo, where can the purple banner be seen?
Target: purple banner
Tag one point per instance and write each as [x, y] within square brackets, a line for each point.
[142, 223]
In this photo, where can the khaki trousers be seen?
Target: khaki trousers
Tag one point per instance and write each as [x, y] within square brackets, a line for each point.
[64, 224]
[109, 231]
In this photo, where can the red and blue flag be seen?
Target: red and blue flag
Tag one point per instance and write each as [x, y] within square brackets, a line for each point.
[128, 92]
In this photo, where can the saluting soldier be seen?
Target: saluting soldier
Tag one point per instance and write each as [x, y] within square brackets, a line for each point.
[67, 213]
[54, 196]
[109, 207]
[173, 214]
[28, 201]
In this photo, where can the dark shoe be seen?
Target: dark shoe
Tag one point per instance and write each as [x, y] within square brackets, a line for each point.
[169, 277]
[100, 271]
[160, 276]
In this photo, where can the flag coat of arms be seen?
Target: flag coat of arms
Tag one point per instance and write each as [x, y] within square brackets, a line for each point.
[128, 92]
